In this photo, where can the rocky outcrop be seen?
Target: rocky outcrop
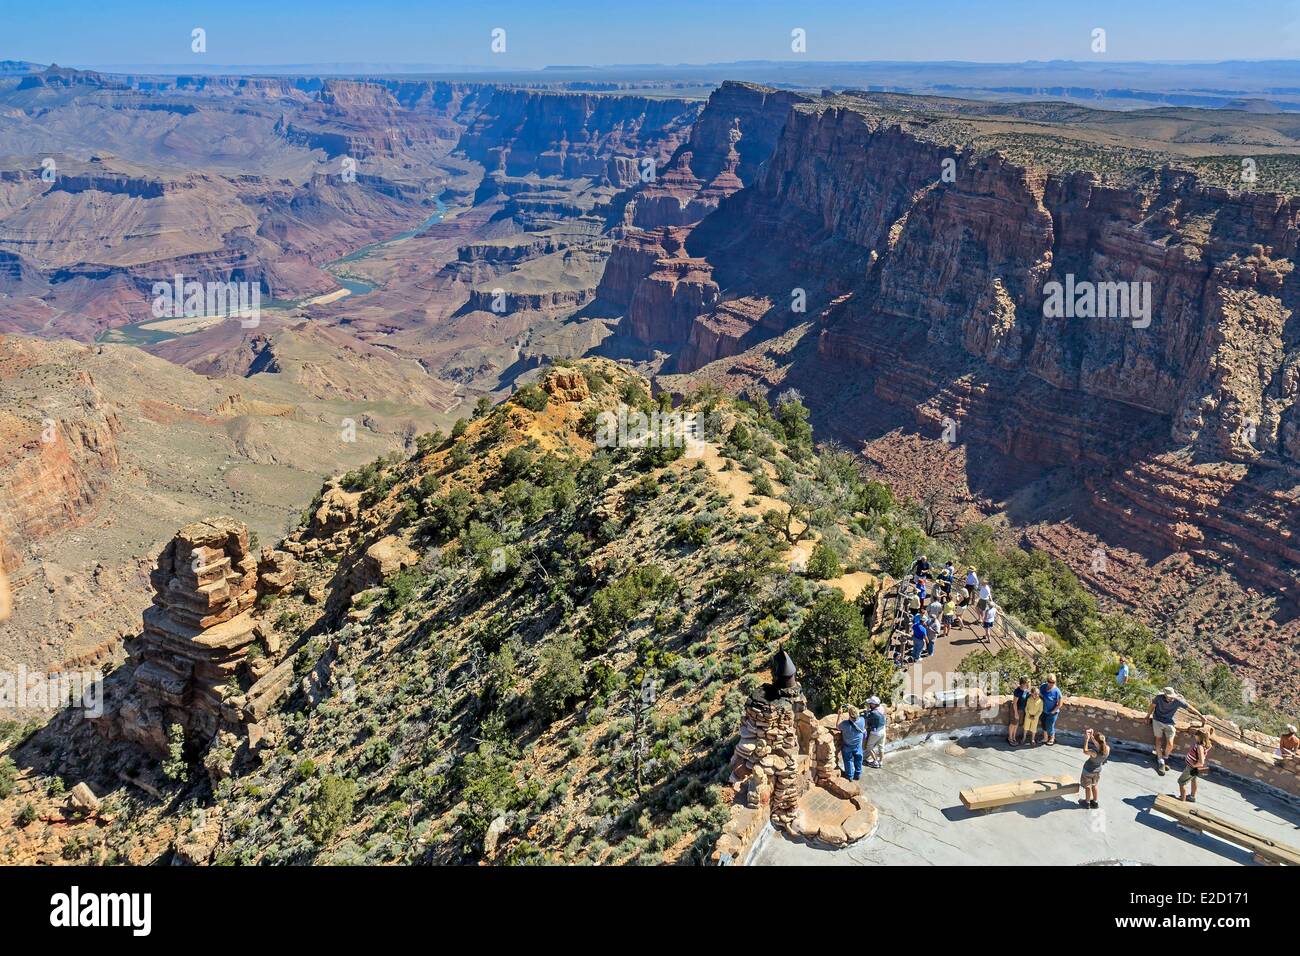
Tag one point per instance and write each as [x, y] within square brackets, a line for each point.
[184, 666]
[668, 300]
[566, 385]
[734, 135]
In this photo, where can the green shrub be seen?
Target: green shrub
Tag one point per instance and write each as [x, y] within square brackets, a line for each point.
[837, 661]
[560, 680]
[331, 808]
[823, 563]
[8, 776]
[531, 397]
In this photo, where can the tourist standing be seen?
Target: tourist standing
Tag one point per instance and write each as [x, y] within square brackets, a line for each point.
[972, 584]
[852, 731]
[949, 615]
[1198, 762]
[1019, 698]
[875, 733]
[1051, 695]
[1098, 751]
[990, 618]
[1162, 714]
[1033, 713]
[1121, 675]
[918, 637]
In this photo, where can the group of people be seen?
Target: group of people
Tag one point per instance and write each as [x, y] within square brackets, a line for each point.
[863, 735]
[1033, 712]
[933, 602]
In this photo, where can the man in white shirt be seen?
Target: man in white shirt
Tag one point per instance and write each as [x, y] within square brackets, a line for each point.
[972, 584]
[986, 596]
[990, 618]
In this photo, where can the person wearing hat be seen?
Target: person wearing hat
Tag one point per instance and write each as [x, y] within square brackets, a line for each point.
[972, 584]
[1051, 695]
[1289, 743]
[1161, 715]
[875, 733]
[851, 734]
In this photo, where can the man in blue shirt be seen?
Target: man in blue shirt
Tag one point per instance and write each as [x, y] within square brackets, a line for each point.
[918, 637]
[875, 733]
[852, 732]
[1121, 676]
[1051, 695]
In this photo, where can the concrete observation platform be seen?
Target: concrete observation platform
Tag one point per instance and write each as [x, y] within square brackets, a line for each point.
[922, 821]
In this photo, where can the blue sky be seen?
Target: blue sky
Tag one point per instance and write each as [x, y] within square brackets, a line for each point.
[542, 32]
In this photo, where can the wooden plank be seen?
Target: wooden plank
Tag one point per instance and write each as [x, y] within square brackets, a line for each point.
[1021, 791]
[1196, 818]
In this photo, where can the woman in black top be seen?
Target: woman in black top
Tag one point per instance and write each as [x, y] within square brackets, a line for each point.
[1018, 698]
[1098, 751]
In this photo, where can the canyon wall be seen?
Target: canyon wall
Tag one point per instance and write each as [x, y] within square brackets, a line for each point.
[571, 135]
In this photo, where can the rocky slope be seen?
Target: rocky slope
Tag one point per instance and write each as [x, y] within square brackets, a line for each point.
[106, 449]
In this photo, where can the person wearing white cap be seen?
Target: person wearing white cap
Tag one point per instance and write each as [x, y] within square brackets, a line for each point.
[1289, 742]
[875, 733]
[1162, 713]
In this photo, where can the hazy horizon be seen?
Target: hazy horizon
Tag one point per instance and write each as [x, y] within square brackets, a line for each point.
[241, 34]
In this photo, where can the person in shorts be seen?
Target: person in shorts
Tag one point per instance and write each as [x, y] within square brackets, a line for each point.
[949, 615]
[875, 733]
[1098, 751]
[1198, 762]
[1162, 714]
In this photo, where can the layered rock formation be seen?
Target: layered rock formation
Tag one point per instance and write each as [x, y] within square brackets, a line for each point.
[734, 135]
[572, 135]
[185, 666]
